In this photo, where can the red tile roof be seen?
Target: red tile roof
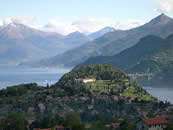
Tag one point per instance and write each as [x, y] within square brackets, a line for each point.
[87, 126]
[59, 127]
[155, 121]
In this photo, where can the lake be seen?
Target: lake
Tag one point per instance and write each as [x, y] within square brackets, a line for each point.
[14, 75]
[162, 93]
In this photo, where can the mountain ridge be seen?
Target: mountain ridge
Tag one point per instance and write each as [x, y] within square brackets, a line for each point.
[151, 54]
[101, 32]
[112, 43]
[20, 40]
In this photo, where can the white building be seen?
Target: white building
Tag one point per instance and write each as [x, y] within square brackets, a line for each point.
[89, 80]
[157, 123]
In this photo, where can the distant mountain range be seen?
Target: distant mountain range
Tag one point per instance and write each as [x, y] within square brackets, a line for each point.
[101, 32]
[20, 43]
[151, 54]
[113, 43]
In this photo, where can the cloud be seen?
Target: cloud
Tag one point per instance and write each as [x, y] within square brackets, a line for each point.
[89, 25]
[164, 6]
[82, 25]
[86, 26]
[129, 24]
[26, 20]
[59, 27]
[1, 23]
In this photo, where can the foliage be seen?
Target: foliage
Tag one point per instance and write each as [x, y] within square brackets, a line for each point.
[170, 127]
[125, 125]
[73, 120]
[15, 121]
[150, 55]
[19, 90]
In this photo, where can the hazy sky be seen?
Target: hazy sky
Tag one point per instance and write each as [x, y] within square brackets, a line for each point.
[66, 16]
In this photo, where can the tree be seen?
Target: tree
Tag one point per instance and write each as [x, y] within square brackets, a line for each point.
[170, 127]
[97, 126]
[46, 122]
[125, 125]
[73, 120]
[59, 120]
[15, 121]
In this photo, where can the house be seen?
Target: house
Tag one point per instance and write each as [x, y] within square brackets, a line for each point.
[157, 123]
[59, 128]
[89, 80]
[87, 126]
[90, 107]
[42, 129]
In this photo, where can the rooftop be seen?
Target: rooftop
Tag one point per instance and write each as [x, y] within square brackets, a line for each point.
[155, 121]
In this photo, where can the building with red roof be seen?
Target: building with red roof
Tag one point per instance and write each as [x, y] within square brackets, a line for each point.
[157, 123]
[59, 127]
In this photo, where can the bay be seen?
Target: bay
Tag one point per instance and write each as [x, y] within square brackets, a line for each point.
[14, 75]
[164, 93]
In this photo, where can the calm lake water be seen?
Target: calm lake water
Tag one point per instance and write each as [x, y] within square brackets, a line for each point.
[14, 75]
[162, 93]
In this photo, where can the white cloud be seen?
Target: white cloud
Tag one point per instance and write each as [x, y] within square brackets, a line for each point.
[26, 20]
[164, 6]
[88, 25]
[59, 27]
[91, 24]
[7, 21]
[129, 24]
[1, 23]
[81, 25]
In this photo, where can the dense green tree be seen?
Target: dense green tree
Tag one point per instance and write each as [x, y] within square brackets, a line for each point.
[47, 122]
[170, 127]
[125, 125]
[15, 121]
[59, 120]
[97, 126]
[73, 120]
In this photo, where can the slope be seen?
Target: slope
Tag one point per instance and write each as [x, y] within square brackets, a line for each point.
[151, 55]
[114, 42]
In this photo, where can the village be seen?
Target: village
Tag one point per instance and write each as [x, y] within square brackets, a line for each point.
[101, 102]
[66, 103]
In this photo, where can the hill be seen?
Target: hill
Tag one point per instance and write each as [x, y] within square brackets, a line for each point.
[104, 80]
[114, 42]
[19, 43]
[108, 99]
[150, 55]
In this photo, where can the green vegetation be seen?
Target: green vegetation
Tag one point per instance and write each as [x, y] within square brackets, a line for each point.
[109, 80]
[150, 55]
[20, 90]
[14, 121]
[98, 104]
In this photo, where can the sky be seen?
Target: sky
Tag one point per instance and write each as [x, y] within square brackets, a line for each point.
[66, 16]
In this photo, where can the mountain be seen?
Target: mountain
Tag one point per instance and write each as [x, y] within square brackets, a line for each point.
[76, 39]
[101, 32]
[151, 54]
[19, 43]
[114, 42]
